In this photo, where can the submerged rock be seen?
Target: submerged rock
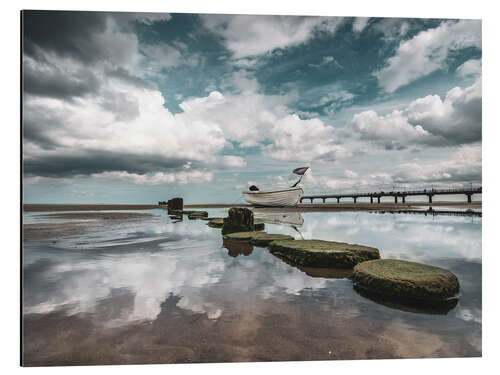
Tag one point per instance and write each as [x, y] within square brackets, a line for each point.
[319, 253]
[406, 280]
[239, 220]
[257, 238]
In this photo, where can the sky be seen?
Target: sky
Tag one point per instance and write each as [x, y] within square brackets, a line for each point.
[141, 107]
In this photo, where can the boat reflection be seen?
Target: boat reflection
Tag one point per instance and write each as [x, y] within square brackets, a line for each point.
[270, 216]
[236, 247]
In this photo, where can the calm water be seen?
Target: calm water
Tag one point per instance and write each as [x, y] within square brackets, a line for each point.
[155, 291]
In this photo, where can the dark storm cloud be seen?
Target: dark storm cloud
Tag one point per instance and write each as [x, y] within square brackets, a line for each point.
[68, 165]
[46, 79]
[84, 38]
[68, 34]
[38, 123]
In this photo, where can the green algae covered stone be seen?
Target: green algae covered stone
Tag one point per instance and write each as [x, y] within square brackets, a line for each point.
[406, 280]
[197, 214]
[319, 253]
[257, 238]
[175, 204]
[216, 222]
[239, 220]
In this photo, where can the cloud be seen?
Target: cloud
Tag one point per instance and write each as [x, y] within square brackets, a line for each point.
[231, 161]
[391, 28]
[47, 77]
[159, 178]
[254, 119]
[359, 24]
[429, 120]
[470, 68]
[246, 35]
[457, 169]
[304, 140]
[125, 128]
[427, 52]
[464, 166]
[165, 56]
[350, 174]
[326, 60]
[392, 130]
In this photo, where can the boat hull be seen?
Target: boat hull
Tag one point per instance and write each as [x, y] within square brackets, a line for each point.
[274, 198]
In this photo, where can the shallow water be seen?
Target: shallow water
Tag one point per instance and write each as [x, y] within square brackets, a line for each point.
[155, 291]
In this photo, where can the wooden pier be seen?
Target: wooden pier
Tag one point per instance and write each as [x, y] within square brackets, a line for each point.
[396, 194]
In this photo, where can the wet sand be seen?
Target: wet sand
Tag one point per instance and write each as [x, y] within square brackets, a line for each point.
[303, 207]
[75, 223]
[86, 207]
[252, 330]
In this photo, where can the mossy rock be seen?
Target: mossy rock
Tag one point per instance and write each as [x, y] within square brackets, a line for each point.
[216, 222]
[189, 212]
[175, 204]
[319, 253]
[257, 238]
[406, 280]
[320, 272]
[239, 220]
[197, 215]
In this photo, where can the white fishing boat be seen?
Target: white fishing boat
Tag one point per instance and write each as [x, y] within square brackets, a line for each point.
[284, 197]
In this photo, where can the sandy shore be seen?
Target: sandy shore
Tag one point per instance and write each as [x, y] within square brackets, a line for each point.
[303, 207]
[75, 223]
[86, 207]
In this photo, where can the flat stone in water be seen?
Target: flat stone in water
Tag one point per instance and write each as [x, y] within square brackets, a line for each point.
[319, 253]
[257, 238]
[216, 222]
[197, 214]
[406, 280]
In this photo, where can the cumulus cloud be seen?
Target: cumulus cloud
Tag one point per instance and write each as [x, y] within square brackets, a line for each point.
[471, 67]
[304, 140]
[126, 125]
[392, 130]
[465, 165]
[429, 120]
[427, 52]
[247, 36]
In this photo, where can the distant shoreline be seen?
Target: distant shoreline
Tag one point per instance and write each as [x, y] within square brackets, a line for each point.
[301, 207]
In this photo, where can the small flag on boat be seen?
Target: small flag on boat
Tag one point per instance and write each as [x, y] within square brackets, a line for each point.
[300, 170]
